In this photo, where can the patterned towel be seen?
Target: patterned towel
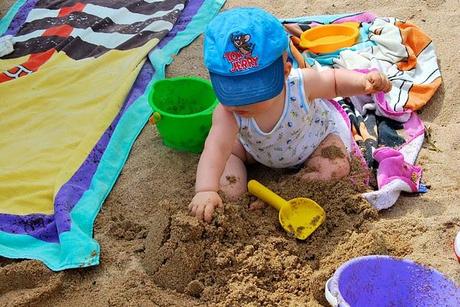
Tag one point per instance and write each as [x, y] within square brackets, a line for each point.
[385, 126]
[72, 102]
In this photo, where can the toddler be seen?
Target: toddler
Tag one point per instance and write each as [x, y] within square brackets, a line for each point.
[268, 112]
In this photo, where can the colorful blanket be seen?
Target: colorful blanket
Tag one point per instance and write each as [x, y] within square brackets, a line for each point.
[73, 82]
[386, 127]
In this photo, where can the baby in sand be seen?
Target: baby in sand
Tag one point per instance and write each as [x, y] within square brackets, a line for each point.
[268, 112]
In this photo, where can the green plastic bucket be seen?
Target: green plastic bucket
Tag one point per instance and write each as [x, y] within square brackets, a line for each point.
[182, 111]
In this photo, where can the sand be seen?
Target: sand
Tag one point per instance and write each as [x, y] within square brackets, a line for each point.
[153, 254]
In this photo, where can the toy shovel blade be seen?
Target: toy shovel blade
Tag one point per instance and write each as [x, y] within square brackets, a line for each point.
[299, 216]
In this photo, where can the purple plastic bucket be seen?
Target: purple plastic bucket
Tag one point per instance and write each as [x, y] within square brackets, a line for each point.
[387, 281]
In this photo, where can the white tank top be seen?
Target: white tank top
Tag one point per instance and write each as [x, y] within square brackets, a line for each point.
[299, 131]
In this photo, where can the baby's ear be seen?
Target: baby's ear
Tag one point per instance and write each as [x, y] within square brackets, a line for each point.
[247, 37]
[287, 68]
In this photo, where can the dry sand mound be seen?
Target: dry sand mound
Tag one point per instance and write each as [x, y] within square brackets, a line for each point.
[245, 257]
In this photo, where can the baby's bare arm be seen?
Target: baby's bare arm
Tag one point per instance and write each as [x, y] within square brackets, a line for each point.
[333, 83]
[217, 150]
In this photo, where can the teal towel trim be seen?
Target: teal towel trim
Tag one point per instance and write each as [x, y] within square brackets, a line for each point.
[6, 20]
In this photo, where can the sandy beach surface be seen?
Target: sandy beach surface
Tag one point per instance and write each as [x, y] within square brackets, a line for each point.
[153, 254]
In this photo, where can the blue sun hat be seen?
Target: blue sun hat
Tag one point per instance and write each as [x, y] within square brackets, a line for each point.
[243, 50]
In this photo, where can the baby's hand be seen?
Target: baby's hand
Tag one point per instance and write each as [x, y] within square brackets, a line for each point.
[376, 82]
[203, 204]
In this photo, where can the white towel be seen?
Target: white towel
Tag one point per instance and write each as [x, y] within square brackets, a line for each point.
[6, 45]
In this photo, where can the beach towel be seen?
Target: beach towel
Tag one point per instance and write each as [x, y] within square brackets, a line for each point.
[387, 131]
[73, 86]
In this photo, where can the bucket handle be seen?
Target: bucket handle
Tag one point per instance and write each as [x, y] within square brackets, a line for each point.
[155, 118]
[331, 299]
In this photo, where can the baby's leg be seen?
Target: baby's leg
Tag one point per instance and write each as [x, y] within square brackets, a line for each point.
[329, 161]
[234, 179]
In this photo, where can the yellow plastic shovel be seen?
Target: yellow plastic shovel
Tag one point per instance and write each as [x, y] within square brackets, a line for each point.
[299, 216]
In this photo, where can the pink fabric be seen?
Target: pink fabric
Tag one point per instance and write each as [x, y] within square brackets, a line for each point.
[413, 128]
[356, 151]
[383, 105]
[391, 162]
[387, 110]
[367, 17]
[392, 166]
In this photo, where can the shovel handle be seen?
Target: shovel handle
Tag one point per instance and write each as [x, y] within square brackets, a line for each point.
[265, 194]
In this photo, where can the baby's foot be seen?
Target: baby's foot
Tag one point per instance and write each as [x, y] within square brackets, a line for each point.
[315, 176]
[257, 205]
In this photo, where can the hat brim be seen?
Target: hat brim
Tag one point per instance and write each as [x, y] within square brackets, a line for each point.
[250, 88]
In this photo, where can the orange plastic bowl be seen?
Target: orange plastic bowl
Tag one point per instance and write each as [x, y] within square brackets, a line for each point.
[329, 38]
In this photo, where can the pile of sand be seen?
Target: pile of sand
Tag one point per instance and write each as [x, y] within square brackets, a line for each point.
[246, 257]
